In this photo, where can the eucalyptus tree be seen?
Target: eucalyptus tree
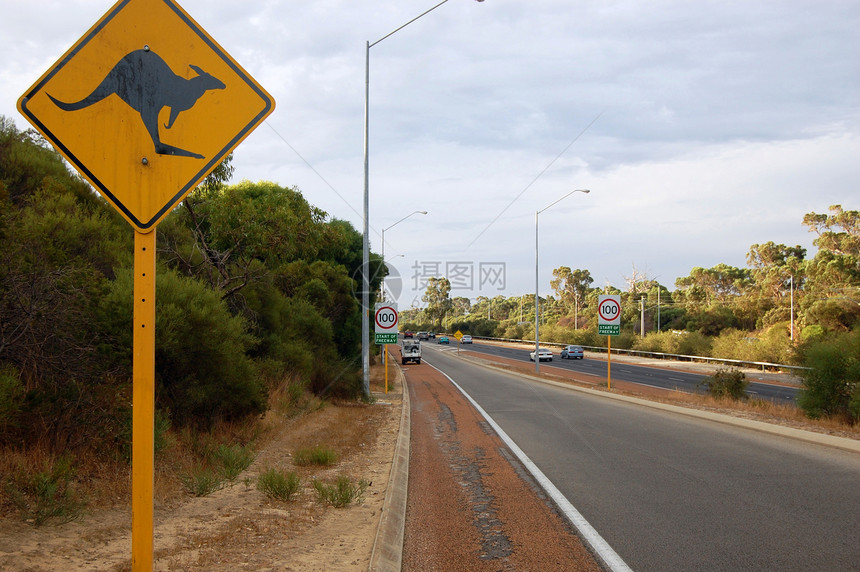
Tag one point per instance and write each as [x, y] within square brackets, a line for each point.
[437, 297]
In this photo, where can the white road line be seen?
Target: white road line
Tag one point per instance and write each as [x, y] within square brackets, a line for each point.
[609, 557]
[657, 386]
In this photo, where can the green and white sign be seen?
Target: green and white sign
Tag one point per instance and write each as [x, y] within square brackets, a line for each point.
[609, 315]
[386, 339]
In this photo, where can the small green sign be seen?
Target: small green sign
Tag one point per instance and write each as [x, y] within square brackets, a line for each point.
[386, 339]
[608, 330]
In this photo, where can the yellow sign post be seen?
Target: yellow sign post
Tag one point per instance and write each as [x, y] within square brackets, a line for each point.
[145, 105]
[609, 363]
[459, 335]
[143, 402]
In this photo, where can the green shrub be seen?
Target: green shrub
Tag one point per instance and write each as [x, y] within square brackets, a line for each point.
[776, 345]
[318, 455]
[203, 372]
[202, 481]
[625, 341]
[692, 344]
[831, 384]
[655, 342]
[681, 343]
[712, 320]
[854, 405]
[218, 463]
[11, 395]
[811, 331]
[278, 485]
[735, 344]
[731, 383]
[553, 333]
[48, 494]
[233, 459]
[513, 331]
[588, 337]
[342, 493]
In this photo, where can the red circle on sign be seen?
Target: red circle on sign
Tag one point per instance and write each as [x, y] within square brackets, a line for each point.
[386, 325]
[608, 302]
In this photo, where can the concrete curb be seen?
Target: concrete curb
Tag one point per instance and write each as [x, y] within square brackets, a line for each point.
[843, 443]
[387, 554]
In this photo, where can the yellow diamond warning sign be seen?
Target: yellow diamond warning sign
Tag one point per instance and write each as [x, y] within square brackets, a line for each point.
[145, 105]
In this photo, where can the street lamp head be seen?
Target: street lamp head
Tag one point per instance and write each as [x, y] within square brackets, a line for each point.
[562, 198]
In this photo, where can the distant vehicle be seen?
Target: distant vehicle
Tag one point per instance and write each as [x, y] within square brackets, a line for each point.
[467, 339]
[543, 355]
[423, 335]
[408, 334]
[572, 352]
[443, 340]
[433, 335]
[410, 351]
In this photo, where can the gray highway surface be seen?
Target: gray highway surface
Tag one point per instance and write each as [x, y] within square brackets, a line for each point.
[666, 379]
[669, 492]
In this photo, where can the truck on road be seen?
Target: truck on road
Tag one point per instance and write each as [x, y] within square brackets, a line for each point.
[410, 351]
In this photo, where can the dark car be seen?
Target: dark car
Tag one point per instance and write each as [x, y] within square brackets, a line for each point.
[408, 334]
[572, 352]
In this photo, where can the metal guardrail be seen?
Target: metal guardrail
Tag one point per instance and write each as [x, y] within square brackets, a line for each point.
[765, 366]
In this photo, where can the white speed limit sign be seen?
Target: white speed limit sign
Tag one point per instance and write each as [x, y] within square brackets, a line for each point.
[386, 318]
[609, 310]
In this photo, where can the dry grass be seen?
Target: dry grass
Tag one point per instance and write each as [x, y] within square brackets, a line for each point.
[762, 410]
[106, 483]
[102, 483]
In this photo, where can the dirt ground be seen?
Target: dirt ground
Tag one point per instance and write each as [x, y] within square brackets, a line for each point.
[472, 506]
[238, 527]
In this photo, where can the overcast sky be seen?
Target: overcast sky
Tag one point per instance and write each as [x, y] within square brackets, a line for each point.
[700, 128]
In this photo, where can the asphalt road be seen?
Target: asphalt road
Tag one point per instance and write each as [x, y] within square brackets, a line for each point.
[669, 492]
[650, 376]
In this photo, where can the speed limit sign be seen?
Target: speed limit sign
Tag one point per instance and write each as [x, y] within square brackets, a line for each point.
[386, 323]
[609, 315]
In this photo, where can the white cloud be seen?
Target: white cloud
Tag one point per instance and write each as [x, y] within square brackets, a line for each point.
[720, 122]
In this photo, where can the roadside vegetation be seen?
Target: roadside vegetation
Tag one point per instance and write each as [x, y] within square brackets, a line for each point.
[727, 384]
[342, 492]
[783, 308]
[255, 310]
[278, 484]
[257, 319]
[318, 455]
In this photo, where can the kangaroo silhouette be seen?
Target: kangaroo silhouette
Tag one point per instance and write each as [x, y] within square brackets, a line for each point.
[146, 83]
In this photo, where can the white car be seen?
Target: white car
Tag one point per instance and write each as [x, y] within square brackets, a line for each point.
[467, 339]
[543, 355]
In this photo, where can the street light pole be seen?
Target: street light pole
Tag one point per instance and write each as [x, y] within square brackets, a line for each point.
[383, 241]
[365, 262]
[537, 283]
[365, 250]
